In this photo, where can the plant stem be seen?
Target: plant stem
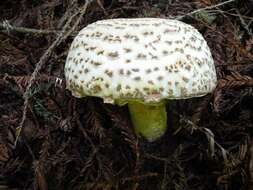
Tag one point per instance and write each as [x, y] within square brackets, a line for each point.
[150, 121]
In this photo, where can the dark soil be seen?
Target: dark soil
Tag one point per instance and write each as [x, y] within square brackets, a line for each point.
[69, 143]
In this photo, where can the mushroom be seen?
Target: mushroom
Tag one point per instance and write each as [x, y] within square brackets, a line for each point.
[141, 62]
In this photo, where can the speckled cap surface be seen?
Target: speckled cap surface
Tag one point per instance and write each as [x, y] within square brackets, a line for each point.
[148, 59]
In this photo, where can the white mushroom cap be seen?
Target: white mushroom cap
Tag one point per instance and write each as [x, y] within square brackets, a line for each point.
[148, 59]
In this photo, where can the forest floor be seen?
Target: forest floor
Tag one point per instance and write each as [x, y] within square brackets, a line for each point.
[51, 140]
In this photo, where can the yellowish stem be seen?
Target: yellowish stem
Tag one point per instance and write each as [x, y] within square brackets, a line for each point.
[150, 121]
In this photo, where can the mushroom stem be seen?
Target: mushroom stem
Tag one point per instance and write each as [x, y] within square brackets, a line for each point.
[150, 121]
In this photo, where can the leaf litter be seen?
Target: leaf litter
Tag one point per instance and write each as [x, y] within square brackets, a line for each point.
[68, 143]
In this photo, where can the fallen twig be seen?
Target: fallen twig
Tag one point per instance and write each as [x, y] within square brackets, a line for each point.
[245, 26]
[210, 136]
[5, 26]
[61, 37]
[202, 9]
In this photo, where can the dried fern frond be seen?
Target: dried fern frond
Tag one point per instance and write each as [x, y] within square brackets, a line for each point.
[235, 80]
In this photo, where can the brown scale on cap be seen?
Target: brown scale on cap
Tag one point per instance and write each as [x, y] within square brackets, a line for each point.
[186, 80]
[135, 70]
[118, 87]
[113, 55]
[165, 52]
[148, 71]
[151, 82]
[128, 72]
[183, 91]
[148, 33]
[121, 71]
[128, 60]
[127, 50]
[161, 89]
[160, 78]
[137, 78]
[86, 70]
[107, 85]
[96, 89]
[100, 52]
[188, 67]
[141, 56]
[109, 73]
